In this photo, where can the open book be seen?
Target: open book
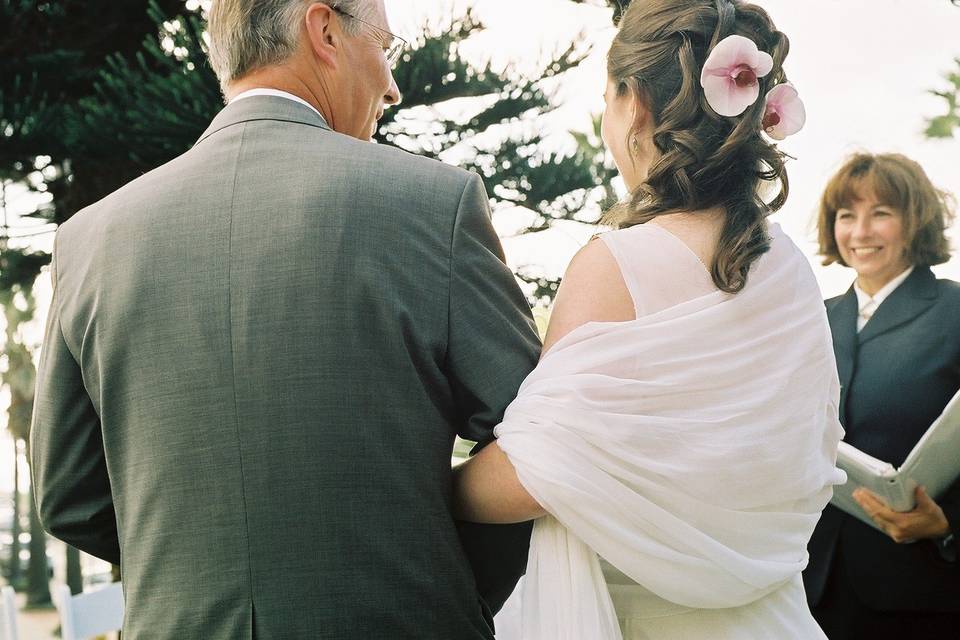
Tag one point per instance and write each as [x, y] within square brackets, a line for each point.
[934, 463]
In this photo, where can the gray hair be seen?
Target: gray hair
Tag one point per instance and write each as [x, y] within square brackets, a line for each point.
[246, 35]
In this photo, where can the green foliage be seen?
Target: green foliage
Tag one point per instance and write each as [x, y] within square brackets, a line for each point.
[19, 377]
[157, 104]
[18, 268]
[590, 173]
[102, 104]
[946, 125]
[52, 54]
[433, 71]
[501, 139]
[17, 275]
[619, 6]
[461, 448]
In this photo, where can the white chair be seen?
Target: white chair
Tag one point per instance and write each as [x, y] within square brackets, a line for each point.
[91, 613]
[8, 614]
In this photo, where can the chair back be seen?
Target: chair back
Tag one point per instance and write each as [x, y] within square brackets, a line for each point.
[91, 613]
[8, 614]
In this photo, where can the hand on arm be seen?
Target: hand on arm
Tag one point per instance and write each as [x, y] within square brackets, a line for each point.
[926, 521]
[488, 490]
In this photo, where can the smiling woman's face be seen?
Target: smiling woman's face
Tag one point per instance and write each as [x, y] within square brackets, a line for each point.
[871, 240]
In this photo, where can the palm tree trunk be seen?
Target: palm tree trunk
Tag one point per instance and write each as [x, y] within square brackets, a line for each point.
[74, 570]
[13, 572]
[38, 578]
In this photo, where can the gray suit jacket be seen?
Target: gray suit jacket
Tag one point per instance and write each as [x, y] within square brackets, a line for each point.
[256, 361]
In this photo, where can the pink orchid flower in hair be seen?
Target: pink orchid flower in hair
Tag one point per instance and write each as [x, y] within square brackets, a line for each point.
[785, 113]
[729, 77]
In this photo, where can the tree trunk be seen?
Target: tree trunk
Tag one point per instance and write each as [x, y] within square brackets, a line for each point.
[74, 570]
[38, 579]
[115, 572]
[13, 572]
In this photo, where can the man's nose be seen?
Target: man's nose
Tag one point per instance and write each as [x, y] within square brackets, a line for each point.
[392, 96]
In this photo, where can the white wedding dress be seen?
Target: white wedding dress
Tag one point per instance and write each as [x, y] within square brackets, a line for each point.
[684, 456]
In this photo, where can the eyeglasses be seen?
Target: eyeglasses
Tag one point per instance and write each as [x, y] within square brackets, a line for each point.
[393, 50]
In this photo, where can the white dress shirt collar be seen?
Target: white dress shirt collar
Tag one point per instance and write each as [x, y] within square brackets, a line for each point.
[867, 304]
[249, 93]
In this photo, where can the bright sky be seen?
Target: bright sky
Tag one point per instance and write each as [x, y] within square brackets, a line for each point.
[863, 68]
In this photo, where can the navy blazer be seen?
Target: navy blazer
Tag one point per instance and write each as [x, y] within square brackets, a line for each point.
[896, 377]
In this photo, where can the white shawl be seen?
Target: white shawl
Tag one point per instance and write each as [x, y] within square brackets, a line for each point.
[693, 449]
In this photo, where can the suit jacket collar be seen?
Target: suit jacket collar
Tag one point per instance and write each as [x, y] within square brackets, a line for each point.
[917, 294]
[264, 108]
[843, 313]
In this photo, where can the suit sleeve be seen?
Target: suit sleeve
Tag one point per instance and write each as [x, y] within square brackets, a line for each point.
[492, 342]
[950, 503]
[492, 346]
[69, 474]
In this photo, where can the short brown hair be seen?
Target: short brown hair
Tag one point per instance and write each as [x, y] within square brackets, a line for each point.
[896, 181]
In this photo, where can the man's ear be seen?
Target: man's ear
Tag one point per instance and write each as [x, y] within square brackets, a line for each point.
[324, 34]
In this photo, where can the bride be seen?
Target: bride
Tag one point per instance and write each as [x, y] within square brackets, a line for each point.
[677, 441]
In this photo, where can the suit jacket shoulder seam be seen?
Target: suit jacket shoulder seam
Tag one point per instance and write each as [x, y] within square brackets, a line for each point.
[233, 365]
[450, 258]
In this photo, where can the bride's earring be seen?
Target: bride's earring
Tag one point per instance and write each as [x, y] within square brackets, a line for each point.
[634, 145]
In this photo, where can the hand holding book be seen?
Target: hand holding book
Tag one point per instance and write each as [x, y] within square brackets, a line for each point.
[926, 520]
[876, 488]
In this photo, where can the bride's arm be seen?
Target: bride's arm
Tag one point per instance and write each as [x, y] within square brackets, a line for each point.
[486, 487]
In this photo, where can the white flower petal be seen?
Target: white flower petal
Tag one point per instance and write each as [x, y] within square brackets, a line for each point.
[719, 88]
[785, 100]
[726, 98]
[764, 64]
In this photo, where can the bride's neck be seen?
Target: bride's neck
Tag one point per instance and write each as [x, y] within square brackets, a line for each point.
[699, 230]
[705, 221]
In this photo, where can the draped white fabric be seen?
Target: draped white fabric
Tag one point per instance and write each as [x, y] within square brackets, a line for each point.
[693, 449]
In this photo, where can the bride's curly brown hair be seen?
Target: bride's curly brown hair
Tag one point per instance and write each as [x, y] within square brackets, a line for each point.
[704, 160]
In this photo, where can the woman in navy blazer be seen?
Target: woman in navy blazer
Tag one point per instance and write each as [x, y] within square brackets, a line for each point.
[896, 336]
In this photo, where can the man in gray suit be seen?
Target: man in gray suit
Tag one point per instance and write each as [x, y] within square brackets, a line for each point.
[258, 356]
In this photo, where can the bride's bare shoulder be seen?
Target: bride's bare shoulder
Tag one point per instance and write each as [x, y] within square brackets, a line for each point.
[592, 290]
